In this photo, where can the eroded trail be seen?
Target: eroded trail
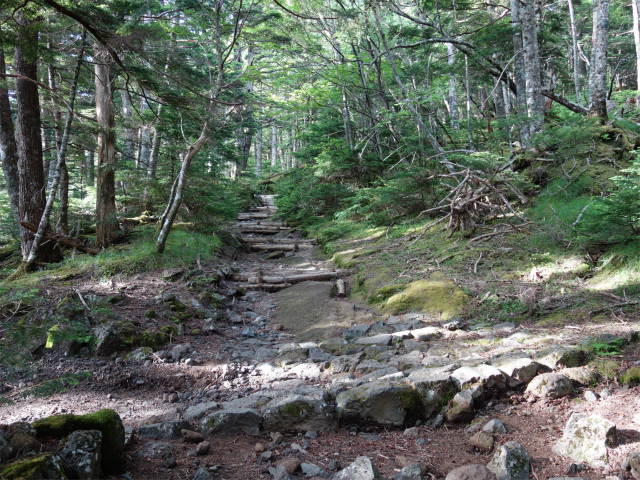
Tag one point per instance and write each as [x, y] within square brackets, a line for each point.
[274, 367]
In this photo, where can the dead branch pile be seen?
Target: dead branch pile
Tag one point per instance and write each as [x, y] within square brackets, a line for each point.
[476, 197]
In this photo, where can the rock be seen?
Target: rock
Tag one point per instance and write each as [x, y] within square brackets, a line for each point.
[361, 469]
[266, 456]
[383, 402]
[607, 392]
[632, 464]
[164, 430]
[585, 376]
[110, 337]
[277, 438]
[234, 317]
[460, 412]
[297, 412]
[42, 466]
[140, 354]
[550, 385]
[196, 412]
[311, 434]
[249, 332]
[21, 427]
[456, 324]
[591, 396]
[412, 432]
[510, 462]
[80, 454]
[504, 327]
[107, 421]
[494, 426]
[432, 386]
[191, 436]
[586, 439]
[471, 472]
[518, 370]
[558, 355]
[6, 450]
[232, 421]
[172, 274]
[482, 441]
[24, 443]
[382, 339]
[438, 421]
[313, 471]
[170, 462]
[290, 464]
[202, 474]
[203, 448]
[356, 331]
[427, 333]
[412, 472]
[156, 450]
[280, 473]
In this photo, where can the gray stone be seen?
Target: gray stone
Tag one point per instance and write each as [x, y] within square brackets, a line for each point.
[591, 396]
[356, 331]
[557, 356]
[203, 448]
[632, 464]
[586, 439]
[297, 412]
[311, 470]
[333, 345]
[171, 274]
[438, 421]
[46, 466]
[471, 472]
[196, 412]
[432, 385]
[510, 462]
[427, 333]
[456, 324]
[181, 350]
[234, 317]
[607, 392]
[311, 434]
[232, 421]
[383, 339]
[550, 385]
[482, 440]
[518, 370]
[346, 363]
[383, 402]
[280, 473]
[164, 430]
[108, 339]
[156, 450]
[585, 376]
[465, 376]
[80, 454]
[249, 332]
[202, 474]
[317, 355]
[411, 472]
[6, 449]
[504, 327]
[361, 469]
[494, 426]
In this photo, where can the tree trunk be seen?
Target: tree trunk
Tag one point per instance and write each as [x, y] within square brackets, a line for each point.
[90, 168]
[63, 220]
[519, 77]
[598, 105]
[535, 102]
[635, 6]
[259, 152]
[8, 147]
[106, 223]
[30, 166]
[274, 146]
[176, 201]
[128, 133]
[576, 57]
[453, 96]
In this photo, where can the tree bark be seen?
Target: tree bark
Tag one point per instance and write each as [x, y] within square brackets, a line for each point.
[454, 117]
[106, 223]
[30, 166]
[535, 103]
[8, 146]
[635, 7]
[128, 134]
[598, 105]
[576, 57]
[259, 152]
[274, 146]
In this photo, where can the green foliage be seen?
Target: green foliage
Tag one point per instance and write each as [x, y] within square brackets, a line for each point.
[57, 385]
[607, 349]
[616, 218]
[631, 377]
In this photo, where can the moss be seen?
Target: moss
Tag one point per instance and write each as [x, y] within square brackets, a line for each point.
[107, 421]
[153, 339]
[195, 332]
[631, 376]
[386, 292]
[176, 306]
[435, 295]
[170, 330]
[42, 466]
[150, 314]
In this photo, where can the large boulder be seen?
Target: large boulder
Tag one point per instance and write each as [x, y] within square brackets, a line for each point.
[6, 449]
[164, 430]
[106, 421]
[196, 412]
[557, 356]
[510, 462]
[80, 454]
[232, 421]
[46, 466]
[550, 385]
[471, 472]
[586, 439]
[111, 337]
[382, 402]
[361, 469]
[298, 412]
[518, 370]
[433, 386]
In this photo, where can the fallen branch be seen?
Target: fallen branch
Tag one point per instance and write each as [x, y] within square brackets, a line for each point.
[616, 305]
[63, 240]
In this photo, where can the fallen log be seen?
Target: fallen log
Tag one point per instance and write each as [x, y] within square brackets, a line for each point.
[254, 216]
[341, 288]
[299, 241]
[267, 287]
[261, 229]
[63, 240]
[273, 247]
[291, 279]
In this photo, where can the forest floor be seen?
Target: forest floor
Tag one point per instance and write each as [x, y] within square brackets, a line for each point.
[157, 390]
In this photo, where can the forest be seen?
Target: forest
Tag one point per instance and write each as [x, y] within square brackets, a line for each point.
[172, 167]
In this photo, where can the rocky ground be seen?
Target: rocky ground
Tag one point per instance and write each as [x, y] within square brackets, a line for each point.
[253, 383]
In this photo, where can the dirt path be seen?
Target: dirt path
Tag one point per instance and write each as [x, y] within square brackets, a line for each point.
[261, 340]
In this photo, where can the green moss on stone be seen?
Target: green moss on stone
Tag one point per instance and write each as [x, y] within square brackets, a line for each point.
[176, 306]
[631, 376]
[107, 421]
[150, 314]
[32, 468]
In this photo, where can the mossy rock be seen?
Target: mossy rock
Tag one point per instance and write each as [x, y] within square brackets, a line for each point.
[383, 294]
[46, 466]
[107, 421]
[631, 377]
[170, 330]
[438, 294]
[150, 314]
[195, 332]
[176, 306]
[153, 339]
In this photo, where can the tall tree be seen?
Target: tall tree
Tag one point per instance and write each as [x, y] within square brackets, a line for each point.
[599, 57]
[8, 146]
